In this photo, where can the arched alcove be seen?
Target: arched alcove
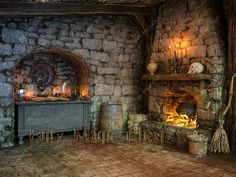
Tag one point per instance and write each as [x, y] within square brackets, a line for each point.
[81, 68]
[46, 74]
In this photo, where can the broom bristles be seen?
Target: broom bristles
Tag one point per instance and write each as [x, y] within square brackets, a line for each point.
[219, 142]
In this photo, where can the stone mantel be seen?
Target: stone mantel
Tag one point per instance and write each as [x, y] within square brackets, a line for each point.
[177, 77]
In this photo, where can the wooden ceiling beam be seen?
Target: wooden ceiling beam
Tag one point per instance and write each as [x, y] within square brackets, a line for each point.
[13, 8]
[142, 23]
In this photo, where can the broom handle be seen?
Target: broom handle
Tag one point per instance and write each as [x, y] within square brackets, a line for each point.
[231, 91]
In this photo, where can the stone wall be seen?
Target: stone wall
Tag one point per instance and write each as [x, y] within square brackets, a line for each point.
[194, 29]
[109, 44]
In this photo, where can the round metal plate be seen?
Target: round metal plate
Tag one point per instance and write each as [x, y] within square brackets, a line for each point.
[42, 74]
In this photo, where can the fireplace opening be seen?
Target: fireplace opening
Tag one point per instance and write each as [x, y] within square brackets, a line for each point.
[179, 109]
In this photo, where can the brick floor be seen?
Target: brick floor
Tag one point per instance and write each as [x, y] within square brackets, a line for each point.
[113, 160]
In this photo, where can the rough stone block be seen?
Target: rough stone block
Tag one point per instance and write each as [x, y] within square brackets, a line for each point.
[180, 27]
[196, 52]
[124, 58]
[124, 73]
[109, 45]
[197, 22]
[109, 70]
[5, 102]
[211, 40]
[13, 36]
[5, 90]
[2, 112]
[12, 58]
[128, 90]
[5, 49]
[7, 65]
[100, 56]
[82, 52]
[47, 36]
[64, 32]
[43, 42]
[197, 42]
[51, 31]
[110, 81]
[117, 90]
[2, 78]
[215, 50]
[92, 44]
[73, 45]
[77, 27]
[32, 42]
[102, 89]
[94, 29]
[19, 49]
[205, 115]
[99, 80]
[33, 35]
[57, 43]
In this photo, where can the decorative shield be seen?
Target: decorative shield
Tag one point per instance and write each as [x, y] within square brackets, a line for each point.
[43, 74]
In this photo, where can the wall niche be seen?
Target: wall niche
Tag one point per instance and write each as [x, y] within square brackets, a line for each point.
[54, 73]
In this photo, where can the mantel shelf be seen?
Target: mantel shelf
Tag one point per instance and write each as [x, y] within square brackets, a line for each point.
[177, 77]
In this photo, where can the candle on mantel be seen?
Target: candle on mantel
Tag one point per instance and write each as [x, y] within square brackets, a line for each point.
[175, 61]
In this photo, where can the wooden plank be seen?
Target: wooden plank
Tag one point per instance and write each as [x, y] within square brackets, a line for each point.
[177, 77]
[142, 23]
[232, 55]
[70, 8]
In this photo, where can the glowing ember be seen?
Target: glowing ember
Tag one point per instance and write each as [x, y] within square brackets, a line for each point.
[181, 120]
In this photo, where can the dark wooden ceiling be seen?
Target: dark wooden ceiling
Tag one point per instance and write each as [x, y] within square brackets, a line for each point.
[79, 7]
[142, 11]
[134, 2]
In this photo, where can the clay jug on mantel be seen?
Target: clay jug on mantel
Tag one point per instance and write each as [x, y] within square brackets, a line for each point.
[152, 67]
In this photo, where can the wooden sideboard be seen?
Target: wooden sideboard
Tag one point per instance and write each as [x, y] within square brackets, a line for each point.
[59, 116]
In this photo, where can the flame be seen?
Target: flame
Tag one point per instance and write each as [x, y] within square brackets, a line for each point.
[181, 120]
[84, 91]
[29, 93]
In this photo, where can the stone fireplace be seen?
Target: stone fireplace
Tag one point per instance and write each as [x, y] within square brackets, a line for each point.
[190, 30]
[168, 99]
[181, 105]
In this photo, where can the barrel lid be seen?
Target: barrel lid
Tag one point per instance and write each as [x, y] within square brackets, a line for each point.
[111, 104]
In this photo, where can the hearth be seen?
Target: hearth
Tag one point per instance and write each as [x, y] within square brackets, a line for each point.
[176, 102]
[179, 109]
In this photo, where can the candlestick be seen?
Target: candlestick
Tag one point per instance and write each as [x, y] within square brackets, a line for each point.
[175, 61]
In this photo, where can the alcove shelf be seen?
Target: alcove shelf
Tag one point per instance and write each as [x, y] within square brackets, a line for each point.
[177, 77]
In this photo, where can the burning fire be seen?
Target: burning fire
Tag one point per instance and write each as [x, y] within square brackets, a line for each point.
[181, 120]
[84, 91]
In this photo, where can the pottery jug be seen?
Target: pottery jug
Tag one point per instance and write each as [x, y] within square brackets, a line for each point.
[152, 67]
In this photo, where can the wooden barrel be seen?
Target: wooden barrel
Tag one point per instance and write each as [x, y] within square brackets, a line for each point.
[111, 118]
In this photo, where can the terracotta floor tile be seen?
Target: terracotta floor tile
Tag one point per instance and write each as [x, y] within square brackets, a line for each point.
[113, 160]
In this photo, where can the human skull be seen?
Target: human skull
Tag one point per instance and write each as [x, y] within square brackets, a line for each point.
[195, 67]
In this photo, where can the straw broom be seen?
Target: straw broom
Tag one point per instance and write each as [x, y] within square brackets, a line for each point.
[219, 142]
